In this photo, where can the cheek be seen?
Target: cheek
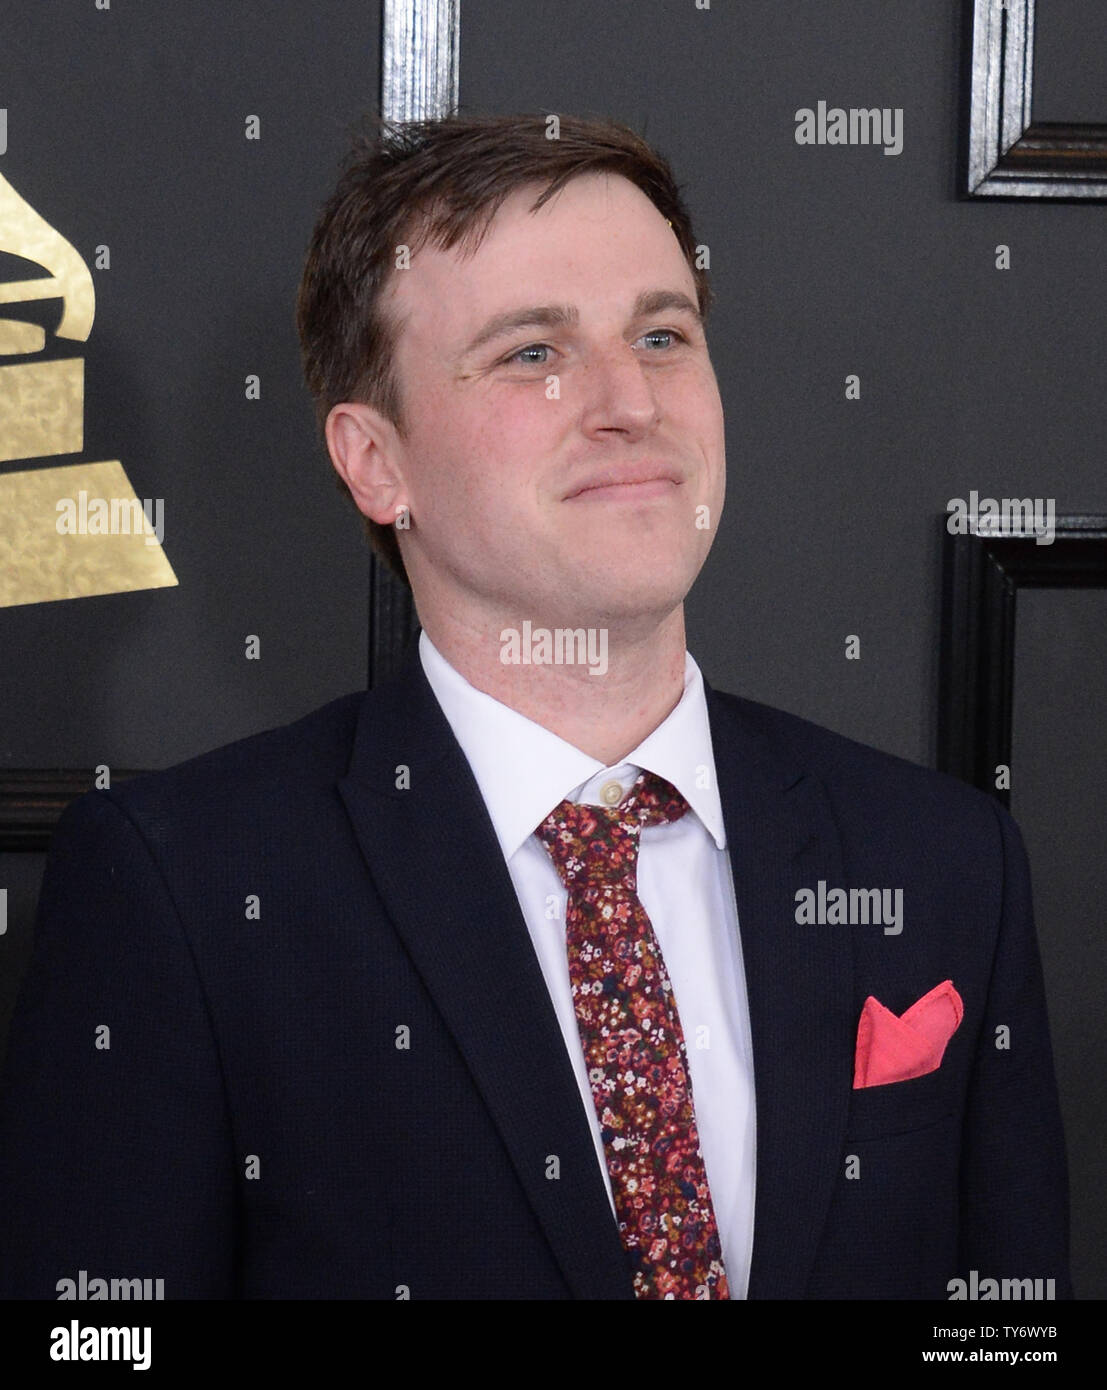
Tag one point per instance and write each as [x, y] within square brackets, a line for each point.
[713, 433]
[514, 439]
[448, 448]
[710, 406]
[519, 414]
[478, 455]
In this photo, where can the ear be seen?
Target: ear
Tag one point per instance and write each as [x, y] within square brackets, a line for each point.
[367, 454]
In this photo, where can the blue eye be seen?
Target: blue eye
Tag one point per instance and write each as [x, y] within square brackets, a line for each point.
[528, 356]
[529, 362]
[661, 333]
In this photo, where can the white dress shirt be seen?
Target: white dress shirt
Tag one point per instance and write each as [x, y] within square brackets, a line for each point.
[684, 883]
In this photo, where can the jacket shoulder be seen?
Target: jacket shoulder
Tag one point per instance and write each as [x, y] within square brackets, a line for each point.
[252, 781]
[858, 774]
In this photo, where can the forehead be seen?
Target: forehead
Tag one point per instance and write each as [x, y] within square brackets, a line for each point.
[598, 237]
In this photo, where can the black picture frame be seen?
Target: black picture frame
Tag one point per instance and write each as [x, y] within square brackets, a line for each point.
[1009, 155]
[32, 800]
[982, 576]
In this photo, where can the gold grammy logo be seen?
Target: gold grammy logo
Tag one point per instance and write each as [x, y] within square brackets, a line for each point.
[42, 416]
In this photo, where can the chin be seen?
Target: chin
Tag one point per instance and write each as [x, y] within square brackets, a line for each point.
[620, 598]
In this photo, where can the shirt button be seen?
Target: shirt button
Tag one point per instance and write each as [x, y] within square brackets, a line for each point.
[611, 793]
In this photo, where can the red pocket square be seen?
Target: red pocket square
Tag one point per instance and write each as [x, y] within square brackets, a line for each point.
[897, 1049]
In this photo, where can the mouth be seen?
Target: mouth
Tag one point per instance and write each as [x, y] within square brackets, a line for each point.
[625, 491]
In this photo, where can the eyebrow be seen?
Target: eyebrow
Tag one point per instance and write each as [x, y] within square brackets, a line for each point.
[648, 303]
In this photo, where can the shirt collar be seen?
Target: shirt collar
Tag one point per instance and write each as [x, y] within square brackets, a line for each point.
[524, 771]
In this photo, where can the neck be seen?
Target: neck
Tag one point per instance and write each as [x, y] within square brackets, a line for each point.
[605, 715]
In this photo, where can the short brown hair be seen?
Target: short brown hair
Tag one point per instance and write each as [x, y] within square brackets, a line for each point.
[440, 181]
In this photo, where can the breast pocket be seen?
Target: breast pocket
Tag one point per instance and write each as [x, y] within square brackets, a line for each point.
[902, 1106]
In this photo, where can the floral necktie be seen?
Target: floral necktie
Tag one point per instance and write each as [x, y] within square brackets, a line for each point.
[634, 1045]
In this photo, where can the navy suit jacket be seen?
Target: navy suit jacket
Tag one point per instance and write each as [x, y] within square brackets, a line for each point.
[334, 1069]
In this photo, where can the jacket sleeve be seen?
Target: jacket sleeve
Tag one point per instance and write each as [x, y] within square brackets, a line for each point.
[1014, 1181]
[116, 1153]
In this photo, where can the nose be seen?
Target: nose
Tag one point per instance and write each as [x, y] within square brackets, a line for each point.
[617, 393]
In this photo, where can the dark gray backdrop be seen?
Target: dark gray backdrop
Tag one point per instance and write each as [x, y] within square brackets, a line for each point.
[826, 261]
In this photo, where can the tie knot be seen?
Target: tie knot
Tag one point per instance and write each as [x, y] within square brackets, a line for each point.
[601, 842]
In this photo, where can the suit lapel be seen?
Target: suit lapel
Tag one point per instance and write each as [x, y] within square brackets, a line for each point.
[436, 862]
[437, 865]
[781, 836]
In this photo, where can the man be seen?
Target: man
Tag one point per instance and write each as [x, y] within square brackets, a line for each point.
[544, 970]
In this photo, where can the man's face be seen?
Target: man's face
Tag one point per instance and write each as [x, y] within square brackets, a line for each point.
[566, 351]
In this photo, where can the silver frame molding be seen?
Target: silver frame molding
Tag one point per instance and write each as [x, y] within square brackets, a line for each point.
[420, 42]
[420, 45]
[1011, 156]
